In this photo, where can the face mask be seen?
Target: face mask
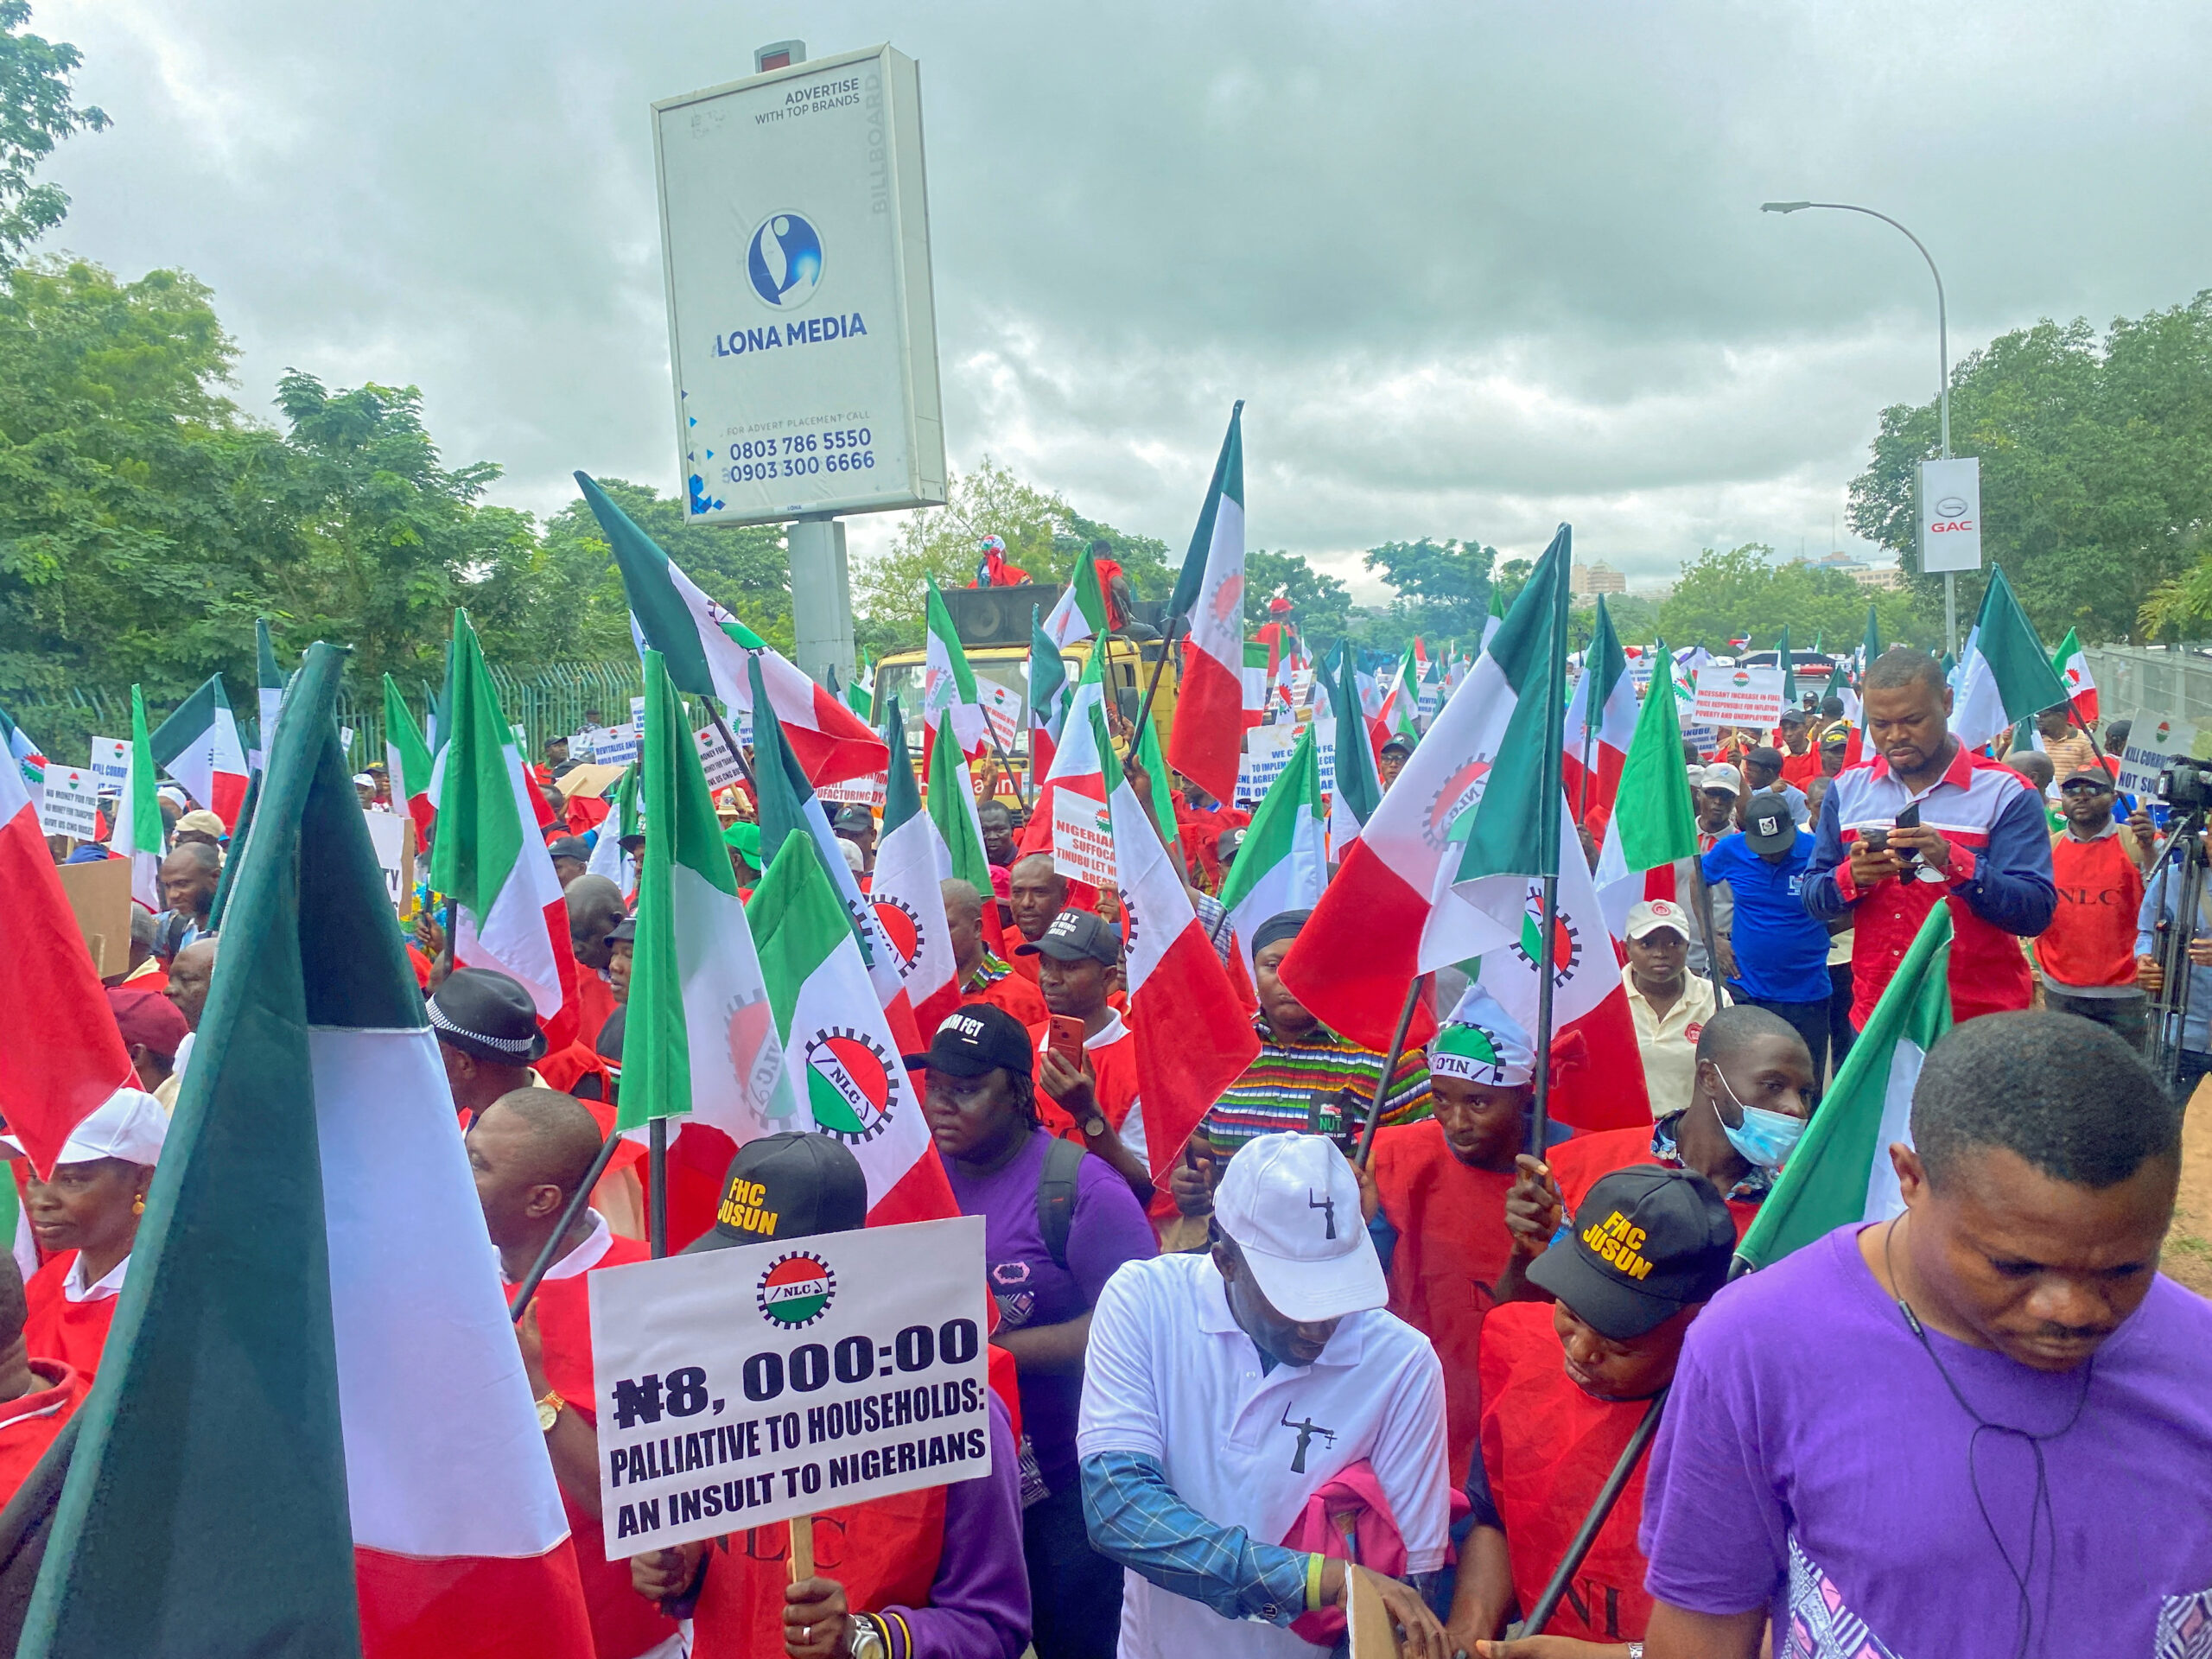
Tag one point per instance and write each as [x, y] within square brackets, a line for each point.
[1765, 1137]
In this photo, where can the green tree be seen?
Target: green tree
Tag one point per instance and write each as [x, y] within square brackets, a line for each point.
[1443, 587]
[1323, 604]
[2096, 467]
[1721, 596]
[585, 615]
[139, 515]
[35, 114]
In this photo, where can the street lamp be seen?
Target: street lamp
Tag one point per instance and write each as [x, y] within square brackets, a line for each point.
[1942, 362]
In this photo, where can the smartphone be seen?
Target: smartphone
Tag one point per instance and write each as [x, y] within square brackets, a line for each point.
[1908, 819]
[1066, 1039]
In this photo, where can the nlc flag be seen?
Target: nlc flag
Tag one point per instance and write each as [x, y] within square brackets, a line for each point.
[198, 746]
[1210, 705]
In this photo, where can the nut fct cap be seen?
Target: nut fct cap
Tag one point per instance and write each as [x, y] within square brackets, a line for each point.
[1076, 935]
[974, 1040]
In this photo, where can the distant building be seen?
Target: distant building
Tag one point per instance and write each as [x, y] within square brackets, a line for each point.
[1865, 575]
[1585, 580]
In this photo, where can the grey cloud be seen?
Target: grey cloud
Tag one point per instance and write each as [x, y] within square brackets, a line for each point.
[1476, 267]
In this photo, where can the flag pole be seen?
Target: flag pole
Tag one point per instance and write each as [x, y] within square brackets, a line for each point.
[736, 749]
[1549, 851]
[1389, 1067]
[657, 1169]
[1005, 765]
[575, 1207]
[1586, 1533]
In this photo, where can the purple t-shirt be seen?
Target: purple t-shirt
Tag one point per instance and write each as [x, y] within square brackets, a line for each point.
[1811, 1458]
[1109, 1228]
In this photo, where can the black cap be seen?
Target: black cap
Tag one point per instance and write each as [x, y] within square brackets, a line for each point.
[1836, 737]
[1767, 825]
[624, 930]
[1076, 935]
[1229, 844]
[574, 846]
[853, 817]
[1403, 745]
[794, 1185]
[1648, 1243]
[1283, 925]
[489, 1015]
[973, 1039]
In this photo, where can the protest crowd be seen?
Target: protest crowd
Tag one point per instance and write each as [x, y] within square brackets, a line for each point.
[1510, 1147]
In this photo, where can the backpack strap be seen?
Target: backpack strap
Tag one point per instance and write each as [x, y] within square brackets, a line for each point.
[1055, 1198]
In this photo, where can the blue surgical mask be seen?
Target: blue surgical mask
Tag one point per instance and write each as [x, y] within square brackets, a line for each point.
[1765, 1138]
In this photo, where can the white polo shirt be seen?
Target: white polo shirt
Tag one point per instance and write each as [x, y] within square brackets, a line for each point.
[1170, 1375]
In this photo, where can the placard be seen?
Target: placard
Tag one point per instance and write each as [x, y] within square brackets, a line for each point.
[1266, 756]
[392, 835]
[716, 759]
[99, 896]
[1747, 697]
[856, 791]
[1082, 838]
[740, 1387]
[70, 805]
[111, 760]
[1002, 711]
[2153, 744]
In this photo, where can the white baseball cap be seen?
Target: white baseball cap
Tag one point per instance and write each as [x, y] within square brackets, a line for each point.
[1722, 775]
[1291, 1203]
[129, 1125]
[1649, 915]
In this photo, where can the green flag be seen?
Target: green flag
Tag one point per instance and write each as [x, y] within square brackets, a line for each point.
[2005, 675]
[1839, 1172]
[1789, 672]
[1652, 823]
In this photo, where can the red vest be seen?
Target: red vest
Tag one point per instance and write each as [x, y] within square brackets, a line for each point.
[884, 1553]
[623, 1623]
[2091, 939]
[1452, 1245]
[1576, 1164]
[57, 1328]
[29, 1422]
[1547, 1448]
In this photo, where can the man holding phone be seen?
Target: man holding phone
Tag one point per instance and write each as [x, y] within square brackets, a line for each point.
[1921, 821]
[1086, 1055]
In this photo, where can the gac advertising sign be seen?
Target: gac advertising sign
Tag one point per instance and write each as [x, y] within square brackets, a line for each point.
[1950, 515]
[795, 235]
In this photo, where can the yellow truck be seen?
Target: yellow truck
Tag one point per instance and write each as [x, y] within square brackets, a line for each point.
[992, 623]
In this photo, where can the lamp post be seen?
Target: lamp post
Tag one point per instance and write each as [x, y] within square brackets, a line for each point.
[1942, 361]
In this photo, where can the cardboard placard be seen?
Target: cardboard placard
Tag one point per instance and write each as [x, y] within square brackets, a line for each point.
[111, 760]
[1750, 698]
[1267, 754]
[588, 779]
[1082, 838]
[392, 834]
[69, 803]
[100, 895]
[1367, 1620]
[740, 1387]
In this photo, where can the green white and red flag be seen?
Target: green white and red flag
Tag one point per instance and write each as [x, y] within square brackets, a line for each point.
[49, 1085]
[1209, 703]
[407, 758]
[845, 1063]
[137, 834]
[2005, 673]
[1193, 1030]
[1652, 825]
[199, 746]
[1081, 612]
[948, 684]
[280, 1380]
[1600, 722]
[2073, 665]
[707, 649]
[1400, 716]
[911, 861]
[1283, 862]
[489, 855]
[1839, 1172]
[1064, 819]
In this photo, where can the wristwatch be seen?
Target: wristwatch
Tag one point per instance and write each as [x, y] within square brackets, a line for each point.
[864, 1638]
[549, 1410]
[1094, 1126]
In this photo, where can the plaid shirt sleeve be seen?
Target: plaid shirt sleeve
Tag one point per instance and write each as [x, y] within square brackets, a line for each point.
[1215, 919]
[1135, 1518]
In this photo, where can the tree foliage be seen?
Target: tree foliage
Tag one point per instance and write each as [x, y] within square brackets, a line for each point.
[1443, 587]
[35, 114]
[1721, 596]
[2096, 469]
[1323, 605]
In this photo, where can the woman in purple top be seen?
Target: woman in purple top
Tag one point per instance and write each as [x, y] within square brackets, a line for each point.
[1056, 1223]
[1982, 1428]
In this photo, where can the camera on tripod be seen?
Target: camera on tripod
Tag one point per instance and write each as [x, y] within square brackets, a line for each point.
[2186, 786]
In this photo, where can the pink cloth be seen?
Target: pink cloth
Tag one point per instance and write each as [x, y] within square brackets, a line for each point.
[1350, 1520]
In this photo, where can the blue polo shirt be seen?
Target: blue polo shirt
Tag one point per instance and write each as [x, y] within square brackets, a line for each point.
[1782, 953]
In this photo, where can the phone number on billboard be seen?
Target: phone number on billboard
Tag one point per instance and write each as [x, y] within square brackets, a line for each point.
[799, 455]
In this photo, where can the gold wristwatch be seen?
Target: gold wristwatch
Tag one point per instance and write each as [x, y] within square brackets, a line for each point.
[549, 1410]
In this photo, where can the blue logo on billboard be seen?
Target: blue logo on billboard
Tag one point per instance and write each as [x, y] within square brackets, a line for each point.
[784, 261]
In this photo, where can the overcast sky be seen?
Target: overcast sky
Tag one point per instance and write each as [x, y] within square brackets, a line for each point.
[1475, 268]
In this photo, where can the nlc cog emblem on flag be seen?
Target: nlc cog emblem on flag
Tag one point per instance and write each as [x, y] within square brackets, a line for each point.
[1451, 801]
[852, 1085]
[1566, 939]
[902, 930]
[755, 1057]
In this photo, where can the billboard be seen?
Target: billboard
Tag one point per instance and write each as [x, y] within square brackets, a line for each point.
[802, 327]
[1950, 515]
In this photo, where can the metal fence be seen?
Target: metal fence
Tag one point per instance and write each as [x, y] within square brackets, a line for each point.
[2172, 685]
[549, 702]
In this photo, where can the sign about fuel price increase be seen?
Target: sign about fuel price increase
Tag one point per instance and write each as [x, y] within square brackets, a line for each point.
[740, 1387]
